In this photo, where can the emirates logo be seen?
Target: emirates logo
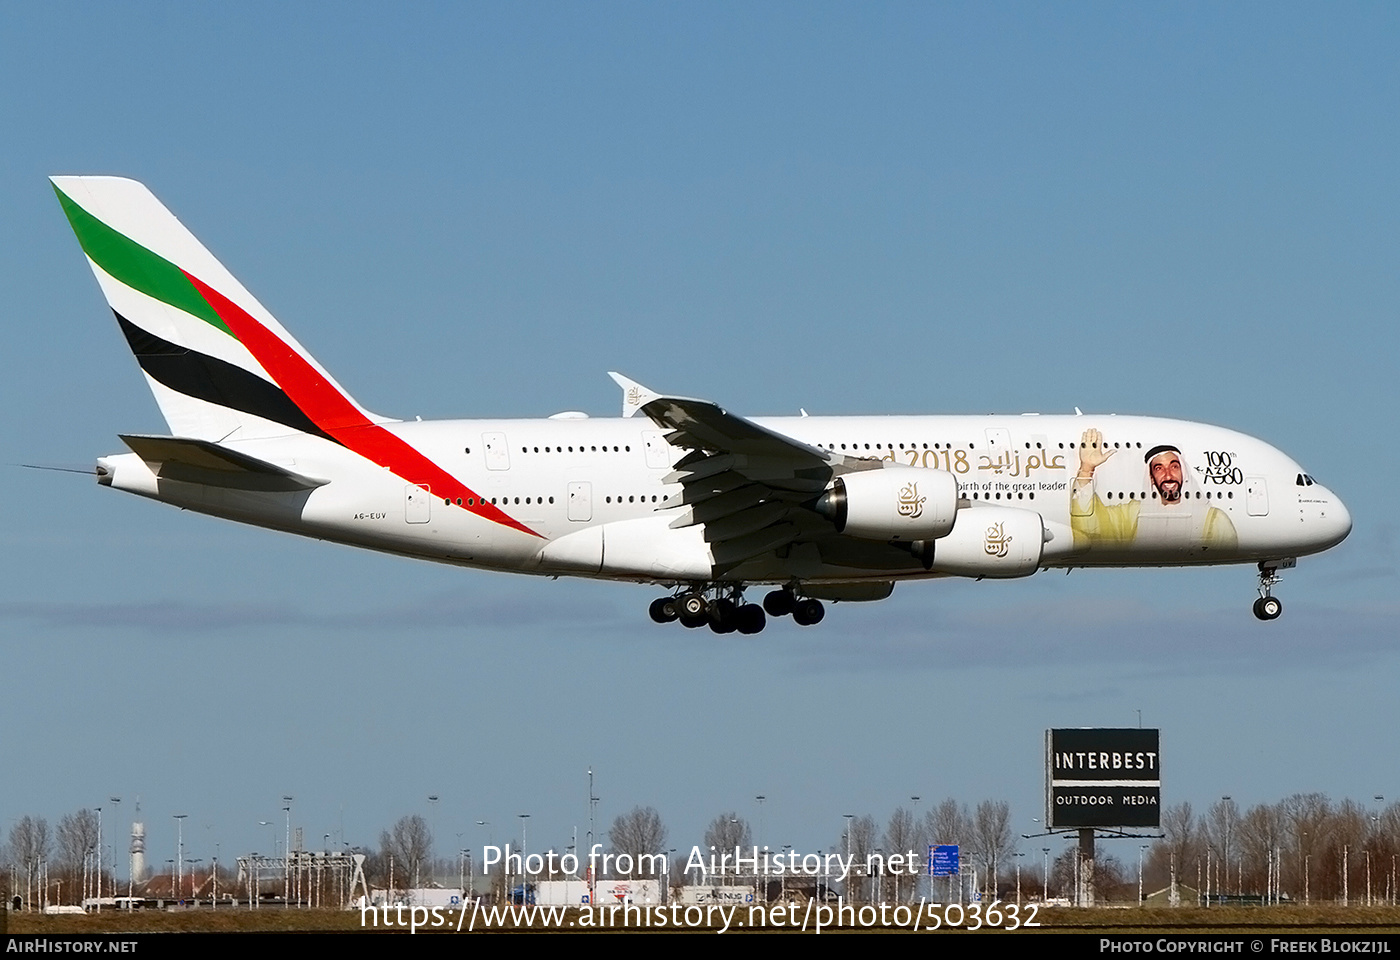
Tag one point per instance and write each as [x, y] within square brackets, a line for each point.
[910, 504]
[998, 541]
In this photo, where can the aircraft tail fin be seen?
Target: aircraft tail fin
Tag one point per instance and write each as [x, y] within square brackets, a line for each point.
[220, 366]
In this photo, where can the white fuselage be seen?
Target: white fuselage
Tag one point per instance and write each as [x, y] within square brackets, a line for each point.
[677, 491]
[597, 498]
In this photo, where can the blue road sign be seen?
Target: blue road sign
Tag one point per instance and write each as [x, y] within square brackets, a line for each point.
[943, 860]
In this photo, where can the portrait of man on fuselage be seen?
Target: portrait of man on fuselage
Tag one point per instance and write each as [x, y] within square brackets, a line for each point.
[1167, 514]
[1164, 470]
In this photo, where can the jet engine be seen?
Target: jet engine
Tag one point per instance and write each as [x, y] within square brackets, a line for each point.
[999, 542]
[896, 503]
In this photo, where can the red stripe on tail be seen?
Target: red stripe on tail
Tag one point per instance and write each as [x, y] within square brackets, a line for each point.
[333, 412]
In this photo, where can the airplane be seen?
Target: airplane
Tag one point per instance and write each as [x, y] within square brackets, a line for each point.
[677, 492]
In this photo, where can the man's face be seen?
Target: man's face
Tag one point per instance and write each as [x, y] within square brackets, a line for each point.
[1165, 470]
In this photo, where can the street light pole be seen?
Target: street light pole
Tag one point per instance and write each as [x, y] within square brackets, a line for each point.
[180, 851]
[849, 817]
[763, 846]
[432, 809]
[524, 855]
[287, 856]
[914, 802]
[1142, 849]
[114, 801]
[1229, 823]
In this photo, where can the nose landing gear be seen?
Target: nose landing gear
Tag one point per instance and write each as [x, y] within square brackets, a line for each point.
[1268, 606]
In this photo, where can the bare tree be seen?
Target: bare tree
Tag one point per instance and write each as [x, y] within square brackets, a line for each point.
[410, 845]
[77, 839]
[1064, 872]
[992, 830]
[1110, 880]
[727, 831]
[1260, 833]
[641, 836]
[29, 844]
[1182, 845]
[1385, 848]
[1303, 848]
[1348, 841]
[862, 834]
[1113, 881]
[1222, 833]
[1308, 816]
[902, 836]
[948, 823]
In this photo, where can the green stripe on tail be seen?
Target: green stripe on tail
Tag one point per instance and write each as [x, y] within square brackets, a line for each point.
[135, 266]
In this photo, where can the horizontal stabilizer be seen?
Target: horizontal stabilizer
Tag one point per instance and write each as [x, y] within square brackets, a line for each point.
[202, 461]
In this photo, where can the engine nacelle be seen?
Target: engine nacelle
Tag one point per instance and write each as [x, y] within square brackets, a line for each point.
[991, 542]
[896, 503]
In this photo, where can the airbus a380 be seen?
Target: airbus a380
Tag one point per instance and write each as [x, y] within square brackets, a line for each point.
[677, 492]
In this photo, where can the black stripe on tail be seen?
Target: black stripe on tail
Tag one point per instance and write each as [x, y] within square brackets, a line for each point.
[213, 380]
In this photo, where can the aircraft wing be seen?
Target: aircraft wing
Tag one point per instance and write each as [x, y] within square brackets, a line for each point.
[743, 482]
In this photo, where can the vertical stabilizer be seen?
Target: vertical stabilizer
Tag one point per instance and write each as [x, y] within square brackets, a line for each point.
[220, 366]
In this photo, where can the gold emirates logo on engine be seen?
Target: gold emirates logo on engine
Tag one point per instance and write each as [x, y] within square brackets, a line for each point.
[997, 541]
[911, 505]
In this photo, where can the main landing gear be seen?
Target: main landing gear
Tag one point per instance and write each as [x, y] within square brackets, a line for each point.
[723, 609]
[1268, 606]
[806, 612]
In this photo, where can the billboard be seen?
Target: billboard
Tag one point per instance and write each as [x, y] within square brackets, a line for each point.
[1103, 777]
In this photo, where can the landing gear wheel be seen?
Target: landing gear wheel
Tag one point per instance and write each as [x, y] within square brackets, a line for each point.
[750, 619]
[1268, 608]
[663, 610]
[693, 610]
[808, 612]
[779, 603]
[723, 616]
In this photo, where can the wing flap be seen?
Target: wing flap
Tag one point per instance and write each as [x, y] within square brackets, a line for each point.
[701, 491]
[721, 506]
[730, 553]
[737, 525]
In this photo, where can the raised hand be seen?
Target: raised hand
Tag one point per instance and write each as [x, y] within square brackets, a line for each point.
[1092, 453]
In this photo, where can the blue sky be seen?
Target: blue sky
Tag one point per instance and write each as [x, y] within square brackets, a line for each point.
[1187, 210]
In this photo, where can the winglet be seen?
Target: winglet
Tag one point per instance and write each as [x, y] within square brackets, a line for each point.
[634, 395]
